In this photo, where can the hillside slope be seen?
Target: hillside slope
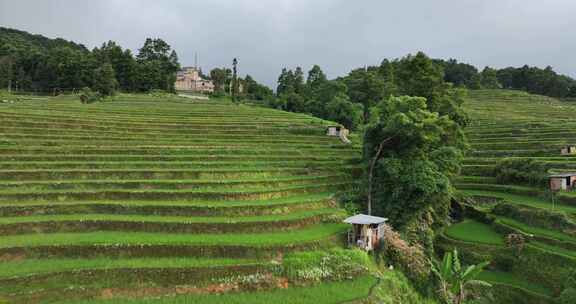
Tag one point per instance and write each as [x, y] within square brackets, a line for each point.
[13, 41]
[527, 129]
[144, 196]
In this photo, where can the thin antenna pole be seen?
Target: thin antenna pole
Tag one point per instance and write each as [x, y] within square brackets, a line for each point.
[196, 60]
[234, 79]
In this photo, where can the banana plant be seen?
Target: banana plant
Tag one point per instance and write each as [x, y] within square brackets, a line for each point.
[455, 279]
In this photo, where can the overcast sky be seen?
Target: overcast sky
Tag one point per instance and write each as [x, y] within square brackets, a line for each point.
[339, 35]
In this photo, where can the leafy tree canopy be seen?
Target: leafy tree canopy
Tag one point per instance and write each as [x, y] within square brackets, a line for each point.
[33, 62]
[415, 157]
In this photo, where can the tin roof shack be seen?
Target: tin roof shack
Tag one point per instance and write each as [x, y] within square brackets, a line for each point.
[366, 232]
[334, 130]
[568, 150]
[562, 182]
[340, 132]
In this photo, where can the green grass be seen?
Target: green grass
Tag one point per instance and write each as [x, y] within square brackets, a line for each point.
[41, 266]
[395, 288]
[473, 231]
[516, 124]
[532, 201]
[554, 249]
[313, 233]
[537, 230]
[293, 199]
[156, 160]
[166, 219]
[325, 293]
[507, 278]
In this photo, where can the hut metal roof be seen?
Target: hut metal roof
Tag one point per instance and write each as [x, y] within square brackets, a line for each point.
[362, 219]
[568, 174]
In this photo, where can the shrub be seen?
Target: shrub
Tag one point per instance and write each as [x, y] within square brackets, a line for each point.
[568, 296]
[88, 96]
[160, 93]
[218, 94]
[411, 259]
[522, 171]
[332, 265]
[276, 103]
[343, 111]
[537, 217]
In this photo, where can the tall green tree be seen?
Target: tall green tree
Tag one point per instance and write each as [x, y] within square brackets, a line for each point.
[418, 75]
[6, 72]
[255, 91]
[458, 73]
[221, 77]
[122, 62]
[298, 81]
[411, 154]
[71, 68]
[105, 80]
[366, 88]
[340, 109]
[489, 78]
[285, 83]
[322, 95]
[157, 66]
[315, 79]
[386, 70]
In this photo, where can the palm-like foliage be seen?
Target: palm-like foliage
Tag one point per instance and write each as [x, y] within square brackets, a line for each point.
[455, 279]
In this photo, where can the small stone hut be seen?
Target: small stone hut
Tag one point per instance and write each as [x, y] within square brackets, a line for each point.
[568, 150]
[366, 232]
[339, 131]
[562, 182]
[336, 131]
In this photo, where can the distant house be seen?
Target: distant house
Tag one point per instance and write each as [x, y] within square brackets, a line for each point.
[334, 130]
[339, 131]
[568, 150]
[189, 79]
[367, 231]
[562, 182]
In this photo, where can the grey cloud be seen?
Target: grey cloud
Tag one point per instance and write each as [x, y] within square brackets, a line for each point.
[267, 35]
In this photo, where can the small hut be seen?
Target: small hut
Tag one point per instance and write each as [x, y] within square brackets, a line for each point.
[562, 182]
[335, 131]
[339, 131]
[568, 150]
[367, 231]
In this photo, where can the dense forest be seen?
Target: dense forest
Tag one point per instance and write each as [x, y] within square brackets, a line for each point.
[531, 79]
[348, 99]
[36, 63]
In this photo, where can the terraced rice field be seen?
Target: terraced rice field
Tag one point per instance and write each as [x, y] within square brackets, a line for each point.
[508, 124]
[143, 197]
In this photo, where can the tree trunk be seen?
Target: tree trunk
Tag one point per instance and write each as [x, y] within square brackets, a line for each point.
[371, 171]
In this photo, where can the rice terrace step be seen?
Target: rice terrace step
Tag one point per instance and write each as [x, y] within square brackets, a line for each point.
[165, 192]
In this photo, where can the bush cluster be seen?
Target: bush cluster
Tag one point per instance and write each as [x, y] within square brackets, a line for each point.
[88, 96]
[537, 217]
[333, 265]
[411, 259]
[522, 171]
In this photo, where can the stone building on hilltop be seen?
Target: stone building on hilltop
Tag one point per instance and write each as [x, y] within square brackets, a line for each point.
[190, 80]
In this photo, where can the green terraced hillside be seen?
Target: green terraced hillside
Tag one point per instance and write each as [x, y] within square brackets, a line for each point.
[517, 125]
[142, 197]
